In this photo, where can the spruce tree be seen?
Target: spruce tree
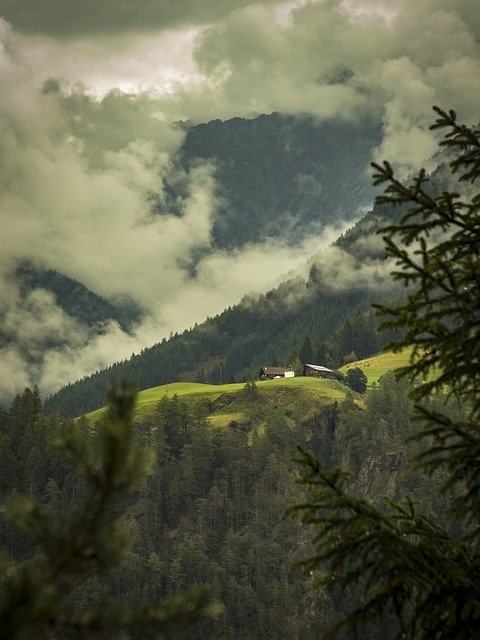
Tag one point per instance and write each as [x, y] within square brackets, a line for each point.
[356, 380]
[306, 352]
[401, 561]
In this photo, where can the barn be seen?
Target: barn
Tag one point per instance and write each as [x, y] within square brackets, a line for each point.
[268, 373]
[317, 371]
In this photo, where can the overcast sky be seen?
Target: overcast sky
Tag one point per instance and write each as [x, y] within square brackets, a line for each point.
[89, 90]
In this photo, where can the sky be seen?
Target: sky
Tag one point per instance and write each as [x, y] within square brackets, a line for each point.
[90, 92]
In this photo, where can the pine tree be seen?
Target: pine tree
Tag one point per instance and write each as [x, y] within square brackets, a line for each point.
[321, 353]
[306, 352]
[399, 561]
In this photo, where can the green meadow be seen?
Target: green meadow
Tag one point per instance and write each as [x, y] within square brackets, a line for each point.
[302, 389]
[235, 405]
[376, 366]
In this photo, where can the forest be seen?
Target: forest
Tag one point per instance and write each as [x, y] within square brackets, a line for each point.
[213, 508]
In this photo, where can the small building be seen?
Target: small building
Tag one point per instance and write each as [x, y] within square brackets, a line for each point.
[269, 373]
[317, 371]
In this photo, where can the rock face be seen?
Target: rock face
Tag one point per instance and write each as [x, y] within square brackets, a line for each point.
[378, 476]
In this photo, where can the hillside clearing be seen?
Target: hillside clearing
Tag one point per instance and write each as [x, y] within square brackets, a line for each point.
[376, 366]
[304, 389]
[313, 389]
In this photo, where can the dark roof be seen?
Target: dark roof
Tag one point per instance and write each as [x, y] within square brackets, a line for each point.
[276, 370]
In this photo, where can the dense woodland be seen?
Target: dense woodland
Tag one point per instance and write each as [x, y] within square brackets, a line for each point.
[212, 510]
[278, 175]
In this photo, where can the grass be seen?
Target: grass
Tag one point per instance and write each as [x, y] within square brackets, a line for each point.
[376, 366]
[224, 419]
[308, 390]
[321, 390]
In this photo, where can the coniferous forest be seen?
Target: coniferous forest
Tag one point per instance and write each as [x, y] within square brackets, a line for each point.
[212, 509]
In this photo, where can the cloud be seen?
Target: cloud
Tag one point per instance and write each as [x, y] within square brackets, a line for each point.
[130, 62]
[66, 18]
[339, 271]
[76, 178]
[15, 373]
[387, 61]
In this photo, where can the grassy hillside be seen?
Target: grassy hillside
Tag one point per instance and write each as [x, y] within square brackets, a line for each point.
[230, 402]
[376, 366]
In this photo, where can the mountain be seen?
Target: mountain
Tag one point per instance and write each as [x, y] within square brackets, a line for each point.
[279, 176]
[75, 299]
[332, 307]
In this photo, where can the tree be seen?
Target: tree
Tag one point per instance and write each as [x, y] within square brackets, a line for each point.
[400, 561]
[297, 367]
[356, 380]
[306, 352]
[39, 597]
[321, 351]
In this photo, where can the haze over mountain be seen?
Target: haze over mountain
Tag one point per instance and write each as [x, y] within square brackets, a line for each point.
[280, 187]
[100, 186]
[340, 286]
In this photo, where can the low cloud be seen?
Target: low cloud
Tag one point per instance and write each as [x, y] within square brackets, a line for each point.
[339, 271]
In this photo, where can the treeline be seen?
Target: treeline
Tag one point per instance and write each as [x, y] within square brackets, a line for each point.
[212, 509]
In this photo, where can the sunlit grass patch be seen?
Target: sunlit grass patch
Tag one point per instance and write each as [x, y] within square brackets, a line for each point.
[315, 389]
[376, 366]
[224, 419]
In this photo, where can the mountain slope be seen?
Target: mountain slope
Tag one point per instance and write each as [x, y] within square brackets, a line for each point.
[75, 299]
[255, 332]
[277, 178]
[280, 176]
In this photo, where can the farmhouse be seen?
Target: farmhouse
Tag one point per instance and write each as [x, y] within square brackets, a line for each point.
[268, 373]
[317, 371]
